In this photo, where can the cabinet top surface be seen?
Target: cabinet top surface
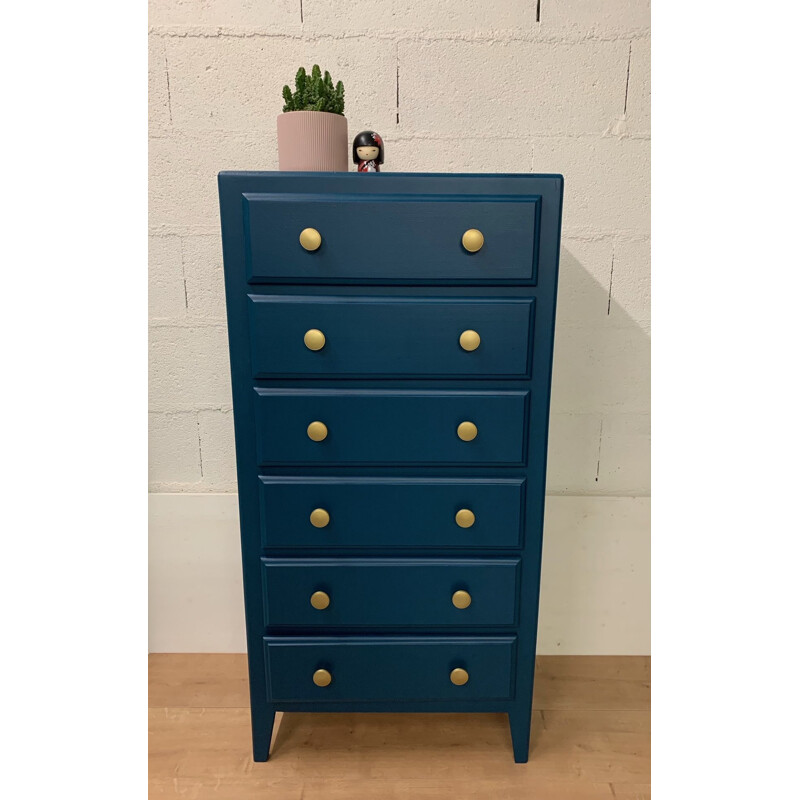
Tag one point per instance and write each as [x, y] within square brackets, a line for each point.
[383, 180]
[387, 175]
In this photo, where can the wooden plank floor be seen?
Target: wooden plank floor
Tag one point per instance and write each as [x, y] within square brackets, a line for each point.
[590, 739]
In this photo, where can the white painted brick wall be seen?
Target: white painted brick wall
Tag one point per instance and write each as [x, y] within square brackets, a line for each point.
[402, 15]
[174, 452]
[483, 87]
[637, 107]
[601, 369]
[631, 279]
[602, 16]
[606, 182]
[247, 14]
[217, 452]
[233, 83]
[166, 285]
[189, 367]
[158, 92]
[205, 282]
[183, 176]
[537, 87]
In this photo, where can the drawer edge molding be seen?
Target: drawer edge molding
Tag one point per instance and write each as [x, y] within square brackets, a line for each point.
[390, 592]
[388, 512]
[369, 669]
[274, 220]
[350, 336]
[410, 427]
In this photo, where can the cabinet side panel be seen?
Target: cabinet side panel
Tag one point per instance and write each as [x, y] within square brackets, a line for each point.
[551, 189]
[231, 188]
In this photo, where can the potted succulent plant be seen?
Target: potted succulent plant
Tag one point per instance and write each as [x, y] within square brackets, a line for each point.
[312, 131]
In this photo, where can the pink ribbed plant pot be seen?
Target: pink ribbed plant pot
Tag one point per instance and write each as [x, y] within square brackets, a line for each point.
[312, 141]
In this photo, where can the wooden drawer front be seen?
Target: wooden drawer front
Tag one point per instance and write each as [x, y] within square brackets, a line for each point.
[389, 336]
[389, 427]
[373, 238]
[389, 668]
[390, 512]
[389, 592]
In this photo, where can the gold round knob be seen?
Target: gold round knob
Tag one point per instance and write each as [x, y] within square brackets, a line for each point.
[469, 341]
[323, 678]
[467, 431]
[310, 239]
[472, 240]
[459, 676]
[319, 518]
[315, 340]
[461, 599]
[320, 600]
[465, 518]
[317, 431]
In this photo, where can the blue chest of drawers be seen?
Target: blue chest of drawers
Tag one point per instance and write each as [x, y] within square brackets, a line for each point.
[391, 340]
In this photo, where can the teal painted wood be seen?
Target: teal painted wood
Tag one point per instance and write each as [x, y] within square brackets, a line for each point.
[416, 668]
[389, 593]
[417, 513]
[371, 236]
[389, 427]
[389, 336]
[390, 243]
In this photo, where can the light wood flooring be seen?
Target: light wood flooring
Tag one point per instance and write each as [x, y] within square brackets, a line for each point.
[590, 739]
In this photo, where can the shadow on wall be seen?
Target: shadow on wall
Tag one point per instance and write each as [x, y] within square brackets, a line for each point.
[600, 409]
[595, 570]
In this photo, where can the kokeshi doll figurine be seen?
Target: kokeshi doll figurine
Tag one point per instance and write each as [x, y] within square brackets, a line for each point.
[368, 151]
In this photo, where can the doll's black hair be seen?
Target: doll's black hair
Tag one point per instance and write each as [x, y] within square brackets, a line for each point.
[368, 139]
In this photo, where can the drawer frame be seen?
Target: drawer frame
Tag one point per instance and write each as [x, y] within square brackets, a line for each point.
[361, 264]
[302, 493]
[233, 188]
[434, 352]
[480, 576]
[347, 429]
[320, 652]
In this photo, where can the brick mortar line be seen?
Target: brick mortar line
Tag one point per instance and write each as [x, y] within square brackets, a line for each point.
[566, 35]
[198, 487]
[188, 322]
[195, 409]
[176, 488]
[530, 138]
[185, 413]
[609, 322]
[229, 409]
[580, 235]
[632, 496]
[574, 234]
[165, 412]
[169, 229]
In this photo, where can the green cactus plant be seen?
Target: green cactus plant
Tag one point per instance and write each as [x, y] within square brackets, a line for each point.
[314, 92]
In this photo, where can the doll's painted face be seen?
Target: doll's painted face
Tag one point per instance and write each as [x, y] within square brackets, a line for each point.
[367, 153]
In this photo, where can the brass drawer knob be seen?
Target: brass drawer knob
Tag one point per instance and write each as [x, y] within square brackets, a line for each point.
[317, 431]
[310, 239]
[465, 518]
[458, 676]
[467, 431]
[323, 678]
[319, 518]
[320, 600]
[314, 339]
[469, 341]
[472, 240]
[461, 599]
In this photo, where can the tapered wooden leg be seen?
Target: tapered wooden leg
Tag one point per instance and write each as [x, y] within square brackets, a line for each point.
[520, 722]
[262, 734]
